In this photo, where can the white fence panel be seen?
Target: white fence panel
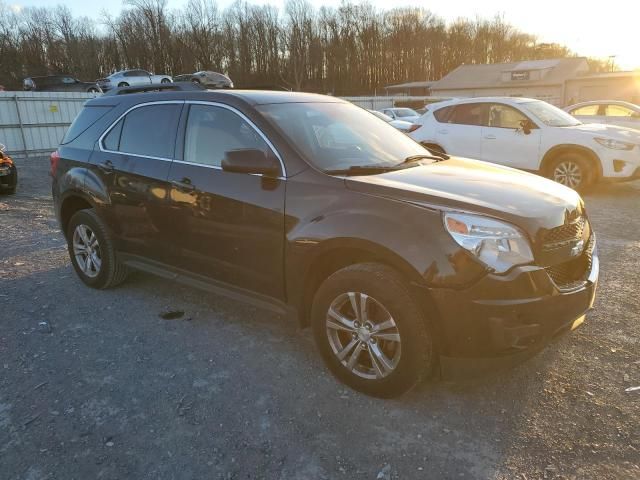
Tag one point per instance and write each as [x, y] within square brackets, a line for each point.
[35, 122]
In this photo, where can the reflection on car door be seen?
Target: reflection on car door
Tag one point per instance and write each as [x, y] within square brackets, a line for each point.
[227, 226]
[460, 131]
[504, 140]
[134, 165]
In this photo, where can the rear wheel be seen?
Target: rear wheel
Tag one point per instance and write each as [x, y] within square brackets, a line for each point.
[123, 84]
[92, 90]
[165, 80]
[92, 251]
[370, 332]
[571, 170]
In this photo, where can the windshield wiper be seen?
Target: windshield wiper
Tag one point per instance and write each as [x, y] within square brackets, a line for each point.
[364, 169]
[414, 158]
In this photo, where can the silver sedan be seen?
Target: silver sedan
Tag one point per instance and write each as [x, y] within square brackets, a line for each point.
[130, 78]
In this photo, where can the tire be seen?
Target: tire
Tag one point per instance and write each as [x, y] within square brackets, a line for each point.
[110, 271]
[92, 90]
[123, 84]
[196, 81]
[571, 170]
[386, 296]
[165, 80]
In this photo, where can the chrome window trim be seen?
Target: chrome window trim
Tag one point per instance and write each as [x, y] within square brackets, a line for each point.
[190, 102]
[115, 122]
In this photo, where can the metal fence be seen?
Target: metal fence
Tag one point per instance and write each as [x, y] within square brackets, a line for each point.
[33, 123]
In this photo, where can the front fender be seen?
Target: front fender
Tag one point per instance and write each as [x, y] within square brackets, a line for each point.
[409, 237]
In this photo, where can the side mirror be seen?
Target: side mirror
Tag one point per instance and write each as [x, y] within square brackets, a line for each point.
[250, 160]
[526, 126]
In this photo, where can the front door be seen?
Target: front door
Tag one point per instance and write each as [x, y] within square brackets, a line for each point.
[226, 226]
[504, 140]
[134, 164]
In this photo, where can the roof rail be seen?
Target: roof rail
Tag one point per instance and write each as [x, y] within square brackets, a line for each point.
[172, 87]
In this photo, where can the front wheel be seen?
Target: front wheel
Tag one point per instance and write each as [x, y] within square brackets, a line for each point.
[165, 80]
[571, 170]
[92, 251]
[123, 84]
[370, 331]
[92, 90]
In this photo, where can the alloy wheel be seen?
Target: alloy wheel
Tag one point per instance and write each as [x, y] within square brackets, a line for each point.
[86, 250]
[363, 335]
[568, 173]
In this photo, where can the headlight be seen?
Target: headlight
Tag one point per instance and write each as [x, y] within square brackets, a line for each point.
[497, 244]
[614, 144]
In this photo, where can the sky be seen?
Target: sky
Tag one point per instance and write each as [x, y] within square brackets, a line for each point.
[603, 30]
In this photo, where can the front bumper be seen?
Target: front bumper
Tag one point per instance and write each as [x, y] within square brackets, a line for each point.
[505, 319]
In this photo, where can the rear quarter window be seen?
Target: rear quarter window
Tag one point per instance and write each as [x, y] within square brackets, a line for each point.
[88, 116]
[442, 114]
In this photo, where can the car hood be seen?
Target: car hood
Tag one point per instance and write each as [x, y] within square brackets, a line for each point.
[529, 201]
[610, 131]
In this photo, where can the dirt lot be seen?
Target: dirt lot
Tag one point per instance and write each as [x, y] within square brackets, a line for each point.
[106, 388]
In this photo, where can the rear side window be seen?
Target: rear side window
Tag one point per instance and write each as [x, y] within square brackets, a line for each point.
[87, 117]
[150, 130]
[443, 114]
[112, 140]
[468, 114]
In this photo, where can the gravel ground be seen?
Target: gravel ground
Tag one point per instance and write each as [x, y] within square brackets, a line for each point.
[106, 388]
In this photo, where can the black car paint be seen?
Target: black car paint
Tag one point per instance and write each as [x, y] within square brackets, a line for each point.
[54, 83]
[267, 238]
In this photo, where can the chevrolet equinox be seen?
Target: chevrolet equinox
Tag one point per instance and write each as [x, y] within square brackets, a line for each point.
[404, 262]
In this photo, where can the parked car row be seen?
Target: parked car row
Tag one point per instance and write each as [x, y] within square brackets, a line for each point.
[123, 78]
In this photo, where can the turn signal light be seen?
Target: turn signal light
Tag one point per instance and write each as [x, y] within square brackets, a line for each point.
[54, 159]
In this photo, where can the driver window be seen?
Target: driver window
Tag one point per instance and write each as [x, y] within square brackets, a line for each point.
[213, 131]
[618, 111]
[503, 116]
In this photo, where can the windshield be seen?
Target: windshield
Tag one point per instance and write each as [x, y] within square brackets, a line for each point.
[405, 112]
[336, 136]
[550, 115]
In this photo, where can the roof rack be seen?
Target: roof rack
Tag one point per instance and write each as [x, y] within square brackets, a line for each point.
[172, 87]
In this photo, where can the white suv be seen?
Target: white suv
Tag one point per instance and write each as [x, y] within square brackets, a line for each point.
[531, 135]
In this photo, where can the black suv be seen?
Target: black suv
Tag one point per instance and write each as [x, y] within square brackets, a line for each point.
[59, 83]
[403, 262]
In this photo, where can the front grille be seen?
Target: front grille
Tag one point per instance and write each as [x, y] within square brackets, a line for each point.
[560, 236]
[573, 273]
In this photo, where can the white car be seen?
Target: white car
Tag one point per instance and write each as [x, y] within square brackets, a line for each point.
[611, 112]
[404, 114]
[401, 125]
[131, 78]
[531, 135]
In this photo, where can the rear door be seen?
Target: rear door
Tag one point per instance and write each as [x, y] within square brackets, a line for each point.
[226, 226]
[134, 162]
[504, 140]
[460, 131]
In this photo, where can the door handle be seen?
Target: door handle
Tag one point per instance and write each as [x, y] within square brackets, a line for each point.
[107, 167]
[184, 185]
[490, 137]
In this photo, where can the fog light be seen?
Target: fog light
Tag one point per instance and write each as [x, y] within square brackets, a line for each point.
[618, 165]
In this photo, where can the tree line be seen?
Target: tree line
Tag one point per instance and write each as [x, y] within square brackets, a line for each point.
[354, 49]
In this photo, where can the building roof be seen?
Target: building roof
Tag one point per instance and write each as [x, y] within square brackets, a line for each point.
[491, 75]
[403, 86]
